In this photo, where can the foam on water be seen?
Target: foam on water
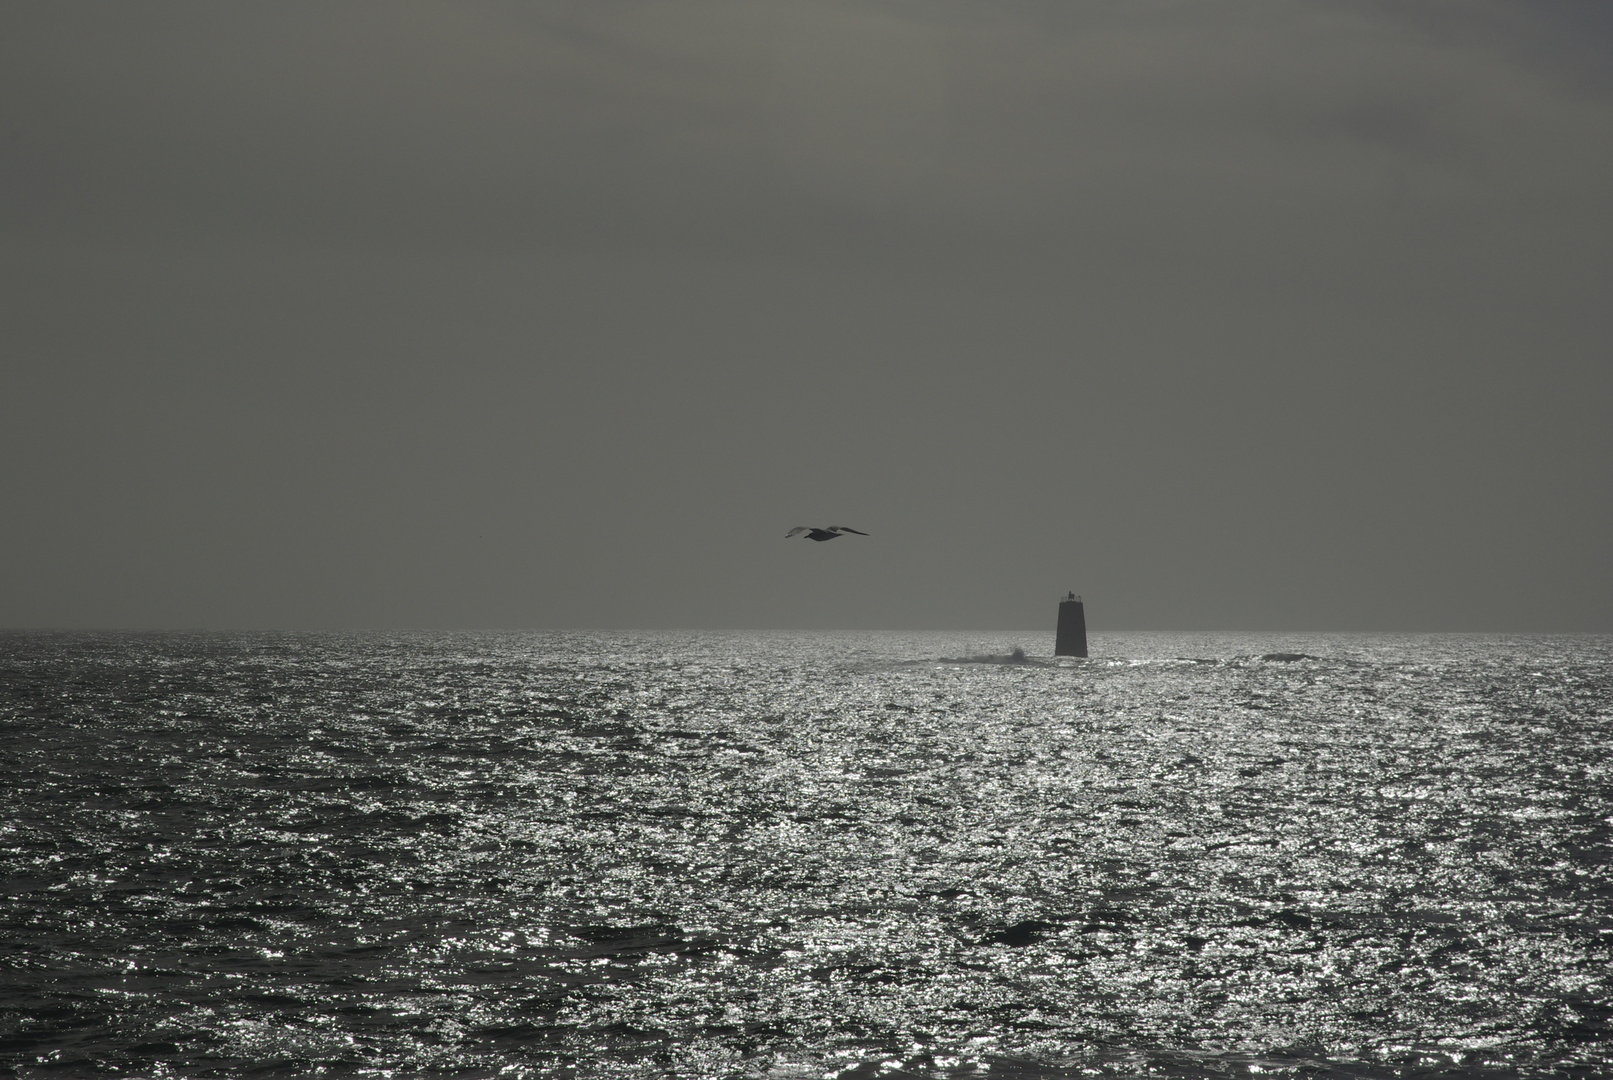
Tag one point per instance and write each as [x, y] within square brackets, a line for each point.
[805, 855]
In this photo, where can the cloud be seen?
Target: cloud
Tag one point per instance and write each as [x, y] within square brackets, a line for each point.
[1257, 297]
[857, 107]
[716, 122]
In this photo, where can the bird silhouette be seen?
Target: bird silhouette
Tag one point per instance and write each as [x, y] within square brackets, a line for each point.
[822, 534]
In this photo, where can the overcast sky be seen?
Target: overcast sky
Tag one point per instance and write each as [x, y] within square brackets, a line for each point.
[1259, 314]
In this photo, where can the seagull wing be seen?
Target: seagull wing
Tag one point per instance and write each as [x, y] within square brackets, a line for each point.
[847, 528]
[797, 531]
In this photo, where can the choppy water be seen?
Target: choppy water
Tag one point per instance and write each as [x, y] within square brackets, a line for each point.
[805, 856]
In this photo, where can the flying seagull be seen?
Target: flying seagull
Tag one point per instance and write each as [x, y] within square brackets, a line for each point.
[822, 534]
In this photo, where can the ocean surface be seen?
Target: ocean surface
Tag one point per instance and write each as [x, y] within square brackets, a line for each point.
[805, 855]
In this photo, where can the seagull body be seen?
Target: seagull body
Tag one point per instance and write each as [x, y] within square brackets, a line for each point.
[822, 534]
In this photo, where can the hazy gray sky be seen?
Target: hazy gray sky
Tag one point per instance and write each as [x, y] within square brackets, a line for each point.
[1242, 314]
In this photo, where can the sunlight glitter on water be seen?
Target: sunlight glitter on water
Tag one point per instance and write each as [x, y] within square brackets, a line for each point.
[646, 855]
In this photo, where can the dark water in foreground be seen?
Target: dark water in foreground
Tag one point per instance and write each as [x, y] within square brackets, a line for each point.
[805, 856]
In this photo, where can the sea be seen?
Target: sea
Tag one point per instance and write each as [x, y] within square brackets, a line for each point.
[805, 855]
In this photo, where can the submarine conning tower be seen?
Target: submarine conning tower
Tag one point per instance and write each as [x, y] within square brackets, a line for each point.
[1072, 639]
